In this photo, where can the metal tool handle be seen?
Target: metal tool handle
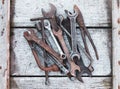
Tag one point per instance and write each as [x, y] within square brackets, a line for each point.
[48, 27]
[72, 17]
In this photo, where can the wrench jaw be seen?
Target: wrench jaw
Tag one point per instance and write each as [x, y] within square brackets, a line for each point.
[62, 56]
[74, 55]
[51, 12]
[79, 77]
[69, 14]
[84, 69]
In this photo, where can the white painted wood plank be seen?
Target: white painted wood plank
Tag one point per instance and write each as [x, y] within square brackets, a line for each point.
[4, 43]
[23, 62]
[60, 83]
[95, 12]
[116, 43]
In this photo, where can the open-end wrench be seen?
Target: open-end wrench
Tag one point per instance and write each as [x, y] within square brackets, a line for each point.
[72, 18]
[31, 36]
[84, 31]
[51, 14]
[77, 60]
[48, 27]
[73, 66]
[60, 19]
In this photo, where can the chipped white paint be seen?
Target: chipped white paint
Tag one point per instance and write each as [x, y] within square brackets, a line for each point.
[4, 42]
[60, 83]
[116, 43]
[95, 12]
[24, 63]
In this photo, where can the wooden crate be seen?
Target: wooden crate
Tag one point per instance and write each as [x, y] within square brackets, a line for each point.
[18, 69]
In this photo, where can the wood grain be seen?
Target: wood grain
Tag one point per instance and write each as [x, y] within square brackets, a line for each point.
[60, 83]
[97, 13]
[4, 44]
[116, 43]
[23, 62]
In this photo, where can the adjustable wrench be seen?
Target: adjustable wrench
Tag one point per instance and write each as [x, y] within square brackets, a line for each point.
[48, 27]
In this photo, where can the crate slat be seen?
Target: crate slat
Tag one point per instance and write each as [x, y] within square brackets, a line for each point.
[116, 42]
[60, 83]
[95, 12]
[4, 44]
[23, 62]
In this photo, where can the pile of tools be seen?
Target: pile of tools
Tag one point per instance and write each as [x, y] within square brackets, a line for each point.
[65, 54]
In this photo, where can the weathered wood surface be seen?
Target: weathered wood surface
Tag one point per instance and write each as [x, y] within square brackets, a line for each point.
[96, 12]
[4, 43]
[60, 83]
[116, 43]
[23, 62]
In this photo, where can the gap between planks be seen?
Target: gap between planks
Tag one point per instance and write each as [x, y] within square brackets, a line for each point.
[95, 13]
[94, 76]
[88, 27]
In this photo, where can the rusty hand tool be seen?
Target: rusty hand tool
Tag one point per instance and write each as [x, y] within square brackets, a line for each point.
[84, 69]
[39, 52]
[87, 55]
[73, 66]
[84, 31]
[51, 14]
[72, 17]
[57, 32]
[77, 60]
[50, 56]
[55, 28]
[35, 53]
[50, 68]
[74, 53]
[31, 36]
[40, 28]
[47, 26]
[60, 19]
